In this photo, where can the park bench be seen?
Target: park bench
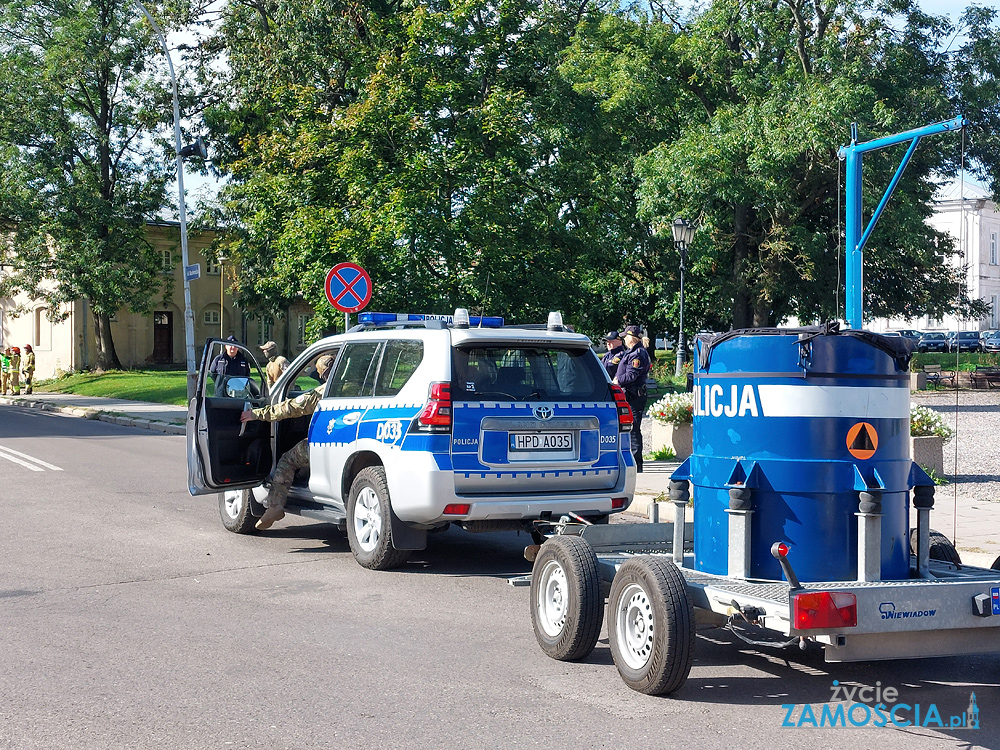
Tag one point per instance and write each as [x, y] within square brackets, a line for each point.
[934, 374]
[988, 375]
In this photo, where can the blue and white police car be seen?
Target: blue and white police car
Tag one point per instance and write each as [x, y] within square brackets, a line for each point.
[424, 422]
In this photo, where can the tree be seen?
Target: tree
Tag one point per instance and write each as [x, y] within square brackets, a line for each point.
[83, 174]
[774, 86]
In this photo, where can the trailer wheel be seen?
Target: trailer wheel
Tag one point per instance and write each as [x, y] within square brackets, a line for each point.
[941, 547]
[651, 625]
[566, 602]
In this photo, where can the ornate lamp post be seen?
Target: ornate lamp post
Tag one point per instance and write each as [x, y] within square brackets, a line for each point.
[683, 234]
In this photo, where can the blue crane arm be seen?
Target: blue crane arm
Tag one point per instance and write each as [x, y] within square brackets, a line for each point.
[854, 238]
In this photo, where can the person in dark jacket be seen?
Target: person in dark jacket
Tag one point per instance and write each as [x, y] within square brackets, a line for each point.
[231, 363]
[631, 376]
[613, 341]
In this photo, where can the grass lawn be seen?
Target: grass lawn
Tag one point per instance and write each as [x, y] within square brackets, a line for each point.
[157, 386]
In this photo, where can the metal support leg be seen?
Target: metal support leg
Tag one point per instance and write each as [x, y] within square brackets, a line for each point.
[739, 543]
[869, 546]
[923, 542]
[679, 511]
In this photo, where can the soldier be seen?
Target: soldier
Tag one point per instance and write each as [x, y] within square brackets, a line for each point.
[5, 371]
[613, 341]
[28, 368]
[276, 364]
[15, 371]
[631, 376]
[296, 457]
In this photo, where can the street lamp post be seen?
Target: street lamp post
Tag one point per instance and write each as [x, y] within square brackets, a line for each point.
[222, 296]
[683, 233]
[192, 375]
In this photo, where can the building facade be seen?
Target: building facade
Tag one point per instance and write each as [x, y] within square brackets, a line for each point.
[968, 213]
[155, 339]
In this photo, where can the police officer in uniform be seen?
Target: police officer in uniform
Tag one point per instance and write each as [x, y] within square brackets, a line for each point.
[296, 457]
[631, 376]
[611, 360]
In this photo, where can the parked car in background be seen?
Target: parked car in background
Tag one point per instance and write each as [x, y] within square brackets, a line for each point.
[965, 341]
[933, 342]
[908, 333]
[992, 344]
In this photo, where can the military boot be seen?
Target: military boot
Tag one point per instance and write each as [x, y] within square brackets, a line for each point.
[270, 516]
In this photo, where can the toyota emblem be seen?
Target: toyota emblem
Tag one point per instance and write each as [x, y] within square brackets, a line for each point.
[543, 412]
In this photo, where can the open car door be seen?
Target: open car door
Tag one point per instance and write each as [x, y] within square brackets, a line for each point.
[224, 453]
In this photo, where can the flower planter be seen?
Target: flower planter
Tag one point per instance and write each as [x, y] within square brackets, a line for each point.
[918, 381]
[676, 437]
[928, 452]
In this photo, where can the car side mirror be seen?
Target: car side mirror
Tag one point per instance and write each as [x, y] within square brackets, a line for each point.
[238, 388]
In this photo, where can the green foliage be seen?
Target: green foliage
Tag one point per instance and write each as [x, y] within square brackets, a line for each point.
[79, 107]
[664, 453]
[925, 422]
[935, 477]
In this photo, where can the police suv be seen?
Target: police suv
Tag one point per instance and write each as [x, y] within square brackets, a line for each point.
[424, 422]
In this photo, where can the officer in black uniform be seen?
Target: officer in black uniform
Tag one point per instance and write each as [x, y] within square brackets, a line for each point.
[613, 341]
[631, 376]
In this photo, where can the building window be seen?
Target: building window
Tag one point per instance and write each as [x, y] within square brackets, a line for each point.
[43, 329]
[993, 248]
[166, 261]
[264, 328]
[302, 321]
[212, 268]
[212, 318]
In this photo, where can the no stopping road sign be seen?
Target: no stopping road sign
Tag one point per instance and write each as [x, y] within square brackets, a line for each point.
[348, 287]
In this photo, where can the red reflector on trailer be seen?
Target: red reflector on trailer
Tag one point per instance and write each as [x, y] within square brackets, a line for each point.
[782, 549]
[617, 503]
[815, 610]
[457, 509]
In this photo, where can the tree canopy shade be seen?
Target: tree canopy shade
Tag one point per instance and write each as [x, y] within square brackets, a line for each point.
[544, 145]
[80, 170]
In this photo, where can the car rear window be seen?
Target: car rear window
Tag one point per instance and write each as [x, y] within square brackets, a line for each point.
[518, 373]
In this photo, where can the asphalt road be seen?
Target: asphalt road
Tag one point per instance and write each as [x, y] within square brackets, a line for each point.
[129, 618]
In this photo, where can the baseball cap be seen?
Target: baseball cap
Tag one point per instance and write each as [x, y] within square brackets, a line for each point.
[633, 331]
[323, 364]
[612, 335]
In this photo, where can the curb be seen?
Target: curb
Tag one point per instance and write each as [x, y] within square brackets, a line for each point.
[117, 418]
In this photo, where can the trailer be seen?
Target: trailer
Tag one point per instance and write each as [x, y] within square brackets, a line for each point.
[802, 488]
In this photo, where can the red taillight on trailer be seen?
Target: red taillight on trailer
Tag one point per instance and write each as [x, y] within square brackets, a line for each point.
[816, 610]
[436, 414]
[457, 509]
[625, 418]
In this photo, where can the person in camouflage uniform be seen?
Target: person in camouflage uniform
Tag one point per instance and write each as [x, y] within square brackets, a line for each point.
[276, 364]
[28, 368]
[296, 457]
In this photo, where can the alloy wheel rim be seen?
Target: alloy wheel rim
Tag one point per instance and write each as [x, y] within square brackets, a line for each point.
[234, 503]
[368, 519]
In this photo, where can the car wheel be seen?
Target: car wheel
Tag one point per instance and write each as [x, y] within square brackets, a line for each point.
[651, 625]
[234, 507]
[566, 602]
[369, 530]
[940, 547]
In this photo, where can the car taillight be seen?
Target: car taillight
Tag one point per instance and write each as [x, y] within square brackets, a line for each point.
[816, 610]
[617, 503]
[625, 418]
[436, 414]
[457, 509]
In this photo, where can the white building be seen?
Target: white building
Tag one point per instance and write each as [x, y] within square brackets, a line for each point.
[967, 213]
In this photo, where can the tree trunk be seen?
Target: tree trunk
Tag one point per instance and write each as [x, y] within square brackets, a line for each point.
[741, 242]
[107, 357]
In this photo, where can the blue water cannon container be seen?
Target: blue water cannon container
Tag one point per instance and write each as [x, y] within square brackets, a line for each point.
[802, 421]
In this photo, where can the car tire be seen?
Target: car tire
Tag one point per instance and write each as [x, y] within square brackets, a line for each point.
[940, 547]
[369, 530]
[566, 602]
[996, 564]
[235, 509]
[651, 625]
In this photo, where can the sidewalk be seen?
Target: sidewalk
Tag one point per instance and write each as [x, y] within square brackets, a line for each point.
[156, 417]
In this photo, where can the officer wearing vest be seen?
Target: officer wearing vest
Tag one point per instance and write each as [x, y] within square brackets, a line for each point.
[631, 376]
[611, 360]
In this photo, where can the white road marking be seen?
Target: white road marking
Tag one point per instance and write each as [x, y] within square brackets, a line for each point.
[5, 453]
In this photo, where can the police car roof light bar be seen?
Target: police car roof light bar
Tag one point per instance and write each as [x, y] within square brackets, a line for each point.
[853, 237]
